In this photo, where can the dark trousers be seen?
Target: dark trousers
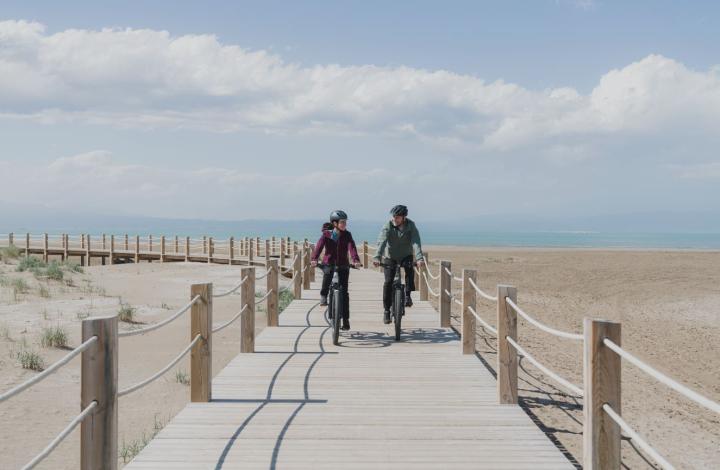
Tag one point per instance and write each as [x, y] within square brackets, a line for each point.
[344, 278]
[390, 279]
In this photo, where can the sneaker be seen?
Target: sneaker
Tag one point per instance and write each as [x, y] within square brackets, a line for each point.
[386, 317]
[345, 324]
[408, 301]
[323, 301]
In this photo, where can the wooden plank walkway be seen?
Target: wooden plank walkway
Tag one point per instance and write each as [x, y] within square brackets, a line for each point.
[300, 402]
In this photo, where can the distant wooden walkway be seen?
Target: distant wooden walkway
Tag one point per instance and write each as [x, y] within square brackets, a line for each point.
[300, 402]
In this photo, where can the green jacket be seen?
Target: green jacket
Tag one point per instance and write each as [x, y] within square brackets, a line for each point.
[398, 244]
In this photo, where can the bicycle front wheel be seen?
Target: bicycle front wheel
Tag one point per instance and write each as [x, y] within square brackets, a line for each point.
[337, 308]
[398, 306]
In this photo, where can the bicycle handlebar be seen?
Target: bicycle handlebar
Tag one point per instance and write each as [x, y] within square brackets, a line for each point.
[334, 266]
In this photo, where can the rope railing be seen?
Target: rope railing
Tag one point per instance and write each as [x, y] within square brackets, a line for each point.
[267, 272]
[457, 302]
[485, 324]
[47, 372]
[568, 385]
[162, 371]
[228, 292]
[434, 278]
[481, 293]
[545, 328]
[427, 283]
[664, 379]
[150, 328]
[267, 294]
[637, 438]
[229, 322]
[61, 437]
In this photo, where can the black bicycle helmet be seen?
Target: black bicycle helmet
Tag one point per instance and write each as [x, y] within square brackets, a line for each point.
[399, 210]
[338, 215]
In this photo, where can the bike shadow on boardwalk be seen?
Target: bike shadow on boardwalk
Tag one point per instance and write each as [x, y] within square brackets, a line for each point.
[375, 339]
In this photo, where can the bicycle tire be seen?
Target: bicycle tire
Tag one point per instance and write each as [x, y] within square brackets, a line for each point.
[398, 311]
[337, 313]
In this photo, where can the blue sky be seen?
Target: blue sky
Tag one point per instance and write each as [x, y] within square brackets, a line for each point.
[455, 108]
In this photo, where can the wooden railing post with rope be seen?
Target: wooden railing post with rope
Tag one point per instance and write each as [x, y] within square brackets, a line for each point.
[99, 385]
[267, 252]
[445, 295]
[231, 250]
[282, 252]
[306, 268]
[201, 353]
[423, 287]
[365, 254]
[250, 251]
[601, 435]
[507, 360]
[467, 321]
[273, 289]
[297, 273]
[247, 322]
[162, 249]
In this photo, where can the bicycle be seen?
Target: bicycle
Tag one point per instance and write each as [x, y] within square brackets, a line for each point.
[398, 298]
[336, 305]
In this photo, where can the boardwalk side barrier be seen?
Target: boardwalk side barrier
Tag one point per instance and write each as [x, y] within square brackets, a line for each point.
[603, 425]
[99, 386]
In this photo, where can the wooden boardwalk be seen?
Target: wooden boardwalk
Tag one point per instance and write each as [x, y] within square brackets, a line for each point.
[300, 402]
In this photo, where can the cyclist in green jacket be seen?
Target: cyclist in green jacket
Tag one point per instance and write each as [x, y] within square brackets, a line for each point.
[398, 242]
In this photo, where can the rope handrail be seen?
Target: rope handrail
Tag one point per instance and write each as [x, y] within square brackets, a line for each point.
[485, 324]
[61, 437]
[230, 322]
[286, 288]
[481, 293]
[267, 273]
[547, 329]
[457, 302]
[159, 373]
[458, 279]
[427, 283]
[142, 331]
[223, 294]
[449, 294]
[568, 385]
[44, 374]
[664, 379]
[434, 278]
[264, 296]
[637, 438]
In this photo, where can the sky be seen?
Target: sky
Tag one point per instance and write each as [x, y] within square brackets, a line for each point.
[286, 110]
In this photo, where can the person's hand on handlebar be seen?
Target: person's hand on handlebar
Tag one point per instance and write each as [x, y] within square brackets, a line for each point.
[420, 263]
[357, 264]
[313, 263]
[376, 263]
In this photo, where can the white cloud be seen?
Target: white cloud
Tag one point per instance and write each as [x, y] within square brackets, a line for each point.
[146, 78]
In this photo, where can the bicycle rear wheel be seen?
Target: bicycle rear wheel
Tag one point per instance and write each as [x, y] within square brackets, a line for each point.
[337, 308]
[398, 307]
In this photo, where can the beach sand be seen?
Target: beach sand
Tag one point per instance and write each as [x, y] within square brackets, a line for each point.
[668, 303]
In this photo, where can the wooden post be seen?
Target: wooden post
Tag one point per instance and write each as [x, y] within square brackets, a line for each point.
[297, 275]
[177, 245]
[250, 250]
[601, 435]
[127, 243]
[87, 250]
[272, 245]
[445, 300]
[273, 286]
[467, 321]
[209, 250]
[11, 238]
[66, 248]
[282, 252]
[27, 245]
[137, 249]
[365, 255]
[187, 249]
[99, 382]
[150, 243]
[247, 320]
[201, 353]
[267, 252]
[111, 258]
[231, 249]
[204, 244]
[311, 248]
[104, 244]
[257, 246]
[45, 247]
[162, 248]
[306, 268]
[507, 362]
[421, 282]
